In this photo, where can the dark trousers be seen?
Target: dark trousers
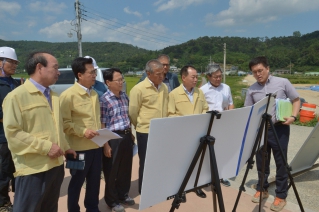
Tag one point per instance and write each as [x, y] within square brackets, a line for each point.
[283, 132]
[6, 173]
[92, 175]
[38, 192]
[118, 170]
[142, 146]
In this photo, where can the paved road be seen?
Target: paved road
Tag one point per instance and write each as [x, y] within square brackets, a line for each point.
[307, 183]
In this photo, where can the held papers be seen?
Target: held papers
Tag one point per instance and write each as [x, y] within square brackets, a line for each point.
[283, 109]
[105, 135]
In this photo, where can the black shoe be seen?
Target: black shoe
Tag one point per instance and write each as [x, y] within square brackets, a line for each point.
[127, 201]
[183, 197]
[225, 182]
[200, 193]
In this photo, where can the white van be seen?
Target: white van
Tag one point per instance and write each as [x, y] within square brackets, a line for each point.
[67, 79]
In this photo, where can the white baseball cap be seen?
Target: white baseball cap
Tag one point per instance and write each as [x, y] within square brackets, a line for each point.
[94, 62]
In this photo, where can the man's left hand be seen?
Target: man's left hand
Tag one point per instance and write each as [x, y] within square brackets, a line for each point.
[289, 120]
[70, 151]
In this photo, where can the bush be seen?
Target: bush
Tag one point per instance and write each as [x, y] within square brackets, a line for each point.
[311, 123]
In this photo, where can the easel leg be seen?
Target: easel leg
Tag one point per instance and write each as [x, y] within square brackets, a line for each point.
[250, 162]
[215, 176]
[264, 158]
[177, 200]
[288, 168]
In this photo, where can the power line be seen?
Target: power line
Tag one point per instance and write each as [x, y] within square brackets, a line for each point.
[127, 31]
[125, 24]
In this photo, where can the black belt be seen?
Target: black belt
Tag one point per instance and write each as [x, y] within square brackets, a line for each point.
[277, 123]
[127, 131]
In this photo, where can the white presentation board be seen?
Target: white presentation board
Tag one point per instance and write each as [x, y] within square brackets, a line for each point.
[172, 144]
[308, 154]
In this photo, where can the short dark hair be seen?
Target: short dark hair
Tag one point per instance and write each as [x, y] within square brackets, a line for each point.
[34, 58]
[78, 65]
[184, 70]
[164, 55]
[258, 60]
[108, 73]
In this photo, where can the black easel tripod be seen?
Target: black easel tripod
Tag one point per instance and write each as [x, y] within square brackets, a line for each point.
[205, 141]
[265, 123]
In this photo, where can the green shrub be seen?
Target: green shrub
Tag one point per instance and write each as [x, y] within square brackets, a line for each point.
[311, 123]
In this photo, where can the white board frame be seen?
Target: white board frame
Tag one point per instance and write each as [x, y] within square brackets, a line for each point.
[308, 154]
[172, 144]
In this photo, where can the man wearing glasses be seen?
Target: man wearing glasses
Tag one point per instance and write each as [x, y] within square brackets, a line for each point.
[266, 83]
[118, 154]
[218, 95]
[170, 79]
[8, 66]
[80, 110]
[34, 129]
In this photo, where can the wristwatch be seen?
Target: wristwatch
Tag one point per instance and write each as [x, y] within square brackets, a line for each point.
[294, 117]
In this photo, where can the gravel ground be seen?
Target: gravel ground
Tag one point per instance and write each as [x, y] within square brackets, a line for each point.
[307, 183]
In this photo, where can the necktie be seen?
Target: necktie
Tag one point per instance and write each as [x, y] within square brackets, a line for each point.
[47, 95]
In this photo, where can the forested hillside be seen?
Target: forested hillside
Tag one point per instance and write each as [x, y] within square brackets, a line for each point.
[301, 52]
[107, 54]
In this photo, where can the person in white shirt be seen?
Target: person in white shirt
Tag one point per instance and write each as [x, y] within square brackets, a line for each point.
[218, 95]
[214, 76]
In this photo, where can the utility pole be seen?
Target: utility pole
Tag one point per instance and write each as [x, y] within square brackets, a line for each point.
[224, 63]
[78, 26]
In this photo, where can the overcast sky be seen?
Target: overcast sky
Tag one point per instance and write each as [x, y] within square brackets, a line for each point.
[155, 24]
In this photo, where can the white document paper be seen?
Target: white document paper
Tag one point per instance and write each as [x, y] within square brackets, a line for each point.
[105, 135]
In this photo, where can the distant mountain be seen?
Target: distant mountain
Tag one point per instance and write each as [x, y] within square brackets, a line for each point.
[107, 54]
[301, 52]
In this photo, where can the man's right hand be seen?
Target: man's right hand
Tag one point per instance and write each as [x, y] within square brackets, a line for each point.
[55, 151]
[107, 150]
[90, 134]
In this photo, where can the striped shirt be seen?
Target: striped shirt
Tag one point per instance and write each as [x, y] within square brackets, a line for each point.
[114, 111]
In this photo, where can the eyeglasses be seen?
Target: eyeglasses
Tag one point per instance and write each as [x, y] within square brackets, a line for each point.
[165, 64]
[217, 77]
[13, 62]
[119, 80]
[258, 71]
[93, 72]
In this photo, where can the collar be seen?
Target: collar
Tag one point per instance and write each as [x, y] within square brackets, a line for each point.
[38, 86]
[267, 81]
[190, 93]
[166, 76]
[211, 85]
[159, 86]
[111, 94]
[87, 90]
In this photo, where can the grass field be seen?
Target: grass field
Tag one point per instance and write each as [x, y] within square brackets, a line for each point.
[235, 83]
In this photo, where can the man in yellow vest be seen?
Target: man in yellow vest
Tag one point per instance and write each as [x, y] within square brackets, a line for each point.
[187, 99]
[148, 100]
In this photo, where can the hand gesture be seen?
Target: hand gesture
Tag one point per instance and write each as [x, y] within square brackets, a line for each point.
[90, 134]
[55, 151]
